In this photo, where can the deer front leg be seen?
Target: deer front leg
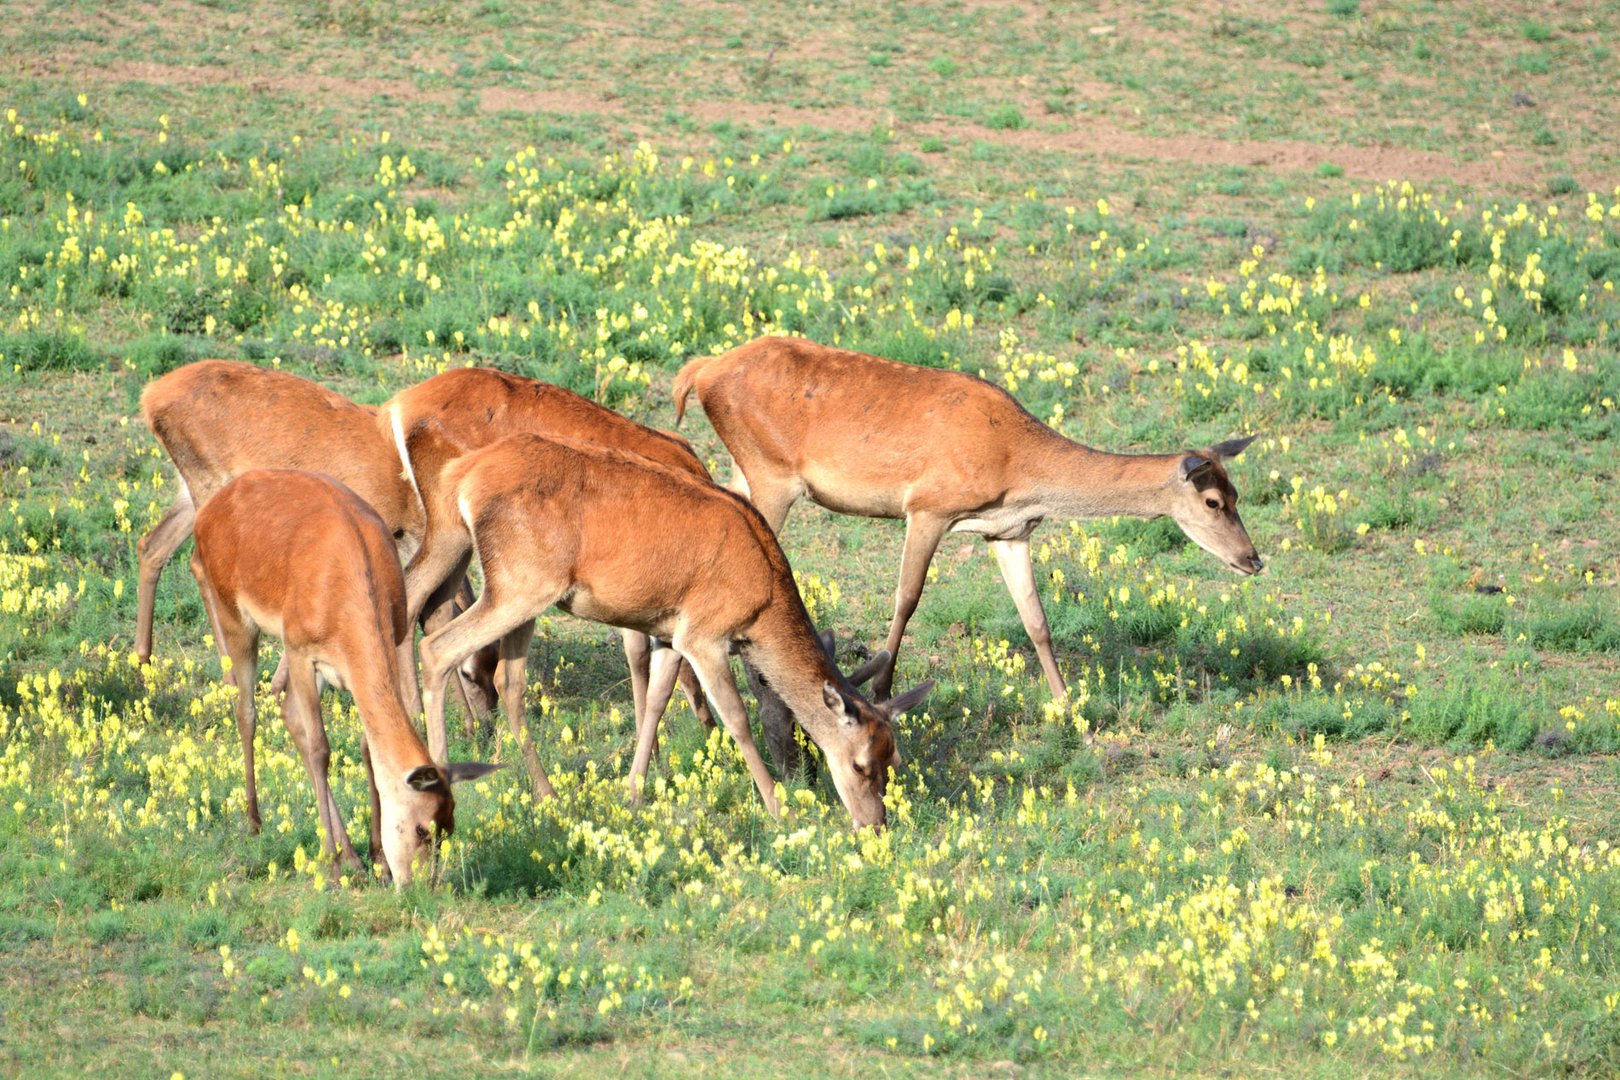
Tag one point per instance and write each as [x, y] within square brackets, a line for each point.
[923, 533]
[154, 550]
[1012, 556]
[238, 643]
[303, 716]
[714, 672]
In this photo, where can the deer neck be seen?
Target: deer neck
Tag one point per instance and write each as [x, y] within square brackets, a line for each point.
[1071, 481]
[783, 650]
[391, 738]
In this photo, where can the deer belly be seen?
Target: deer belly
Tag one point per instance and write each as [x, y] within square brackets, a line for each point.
[859, 495]
[605, 607]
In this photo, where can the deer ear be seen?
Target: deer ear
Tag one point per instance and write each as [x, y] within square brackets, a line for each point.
[834, 700]
[874, 664]
[424, 778]
[1231, 448]
[908, 700]
[1193, 466]
[460, 771]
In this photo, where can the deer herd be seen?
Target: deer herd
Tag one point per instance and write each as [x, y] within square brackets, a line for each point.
[305, 506]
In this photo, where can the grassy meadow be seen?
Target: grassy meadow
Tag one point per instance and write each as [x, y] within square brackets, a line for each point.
[1356, 814]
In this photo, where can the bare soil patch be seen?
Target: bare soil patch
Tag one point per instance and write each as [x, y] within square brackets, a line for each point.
[1091, 135]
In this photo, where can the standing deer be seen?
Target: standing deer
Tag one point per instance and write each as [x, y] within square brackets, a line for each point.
[303, 557]
[461, 410]
[609, 537]
[948, 452]
[218, 419]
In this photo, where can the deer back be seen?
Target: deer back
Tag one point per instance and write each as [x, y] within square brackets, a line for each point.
[865, 435]
[218, 419]
[634, 542]
[474, 407]
[310, 561]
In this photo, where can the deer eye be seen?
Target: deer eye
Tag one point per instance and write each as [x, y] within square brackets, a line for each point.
[1213, 504]
[422, 833]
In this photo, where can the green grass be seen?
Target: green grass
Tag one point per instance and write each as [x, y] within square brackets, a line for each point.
[1305, 822]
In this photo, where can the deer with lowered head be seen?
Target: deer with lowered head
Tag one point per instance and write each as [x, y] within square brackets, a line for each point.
[948, 452]
[217, 419]
[302, 557]
[464, 409]
[606, 536]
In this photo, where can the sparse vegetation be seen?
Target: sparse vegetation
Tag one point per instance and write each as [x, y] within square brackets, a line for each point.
[1354, 815]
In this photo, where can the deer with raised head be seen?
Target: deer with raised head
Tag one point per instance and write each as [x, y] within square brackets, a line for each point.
[606, 536]
[948, 452]
[437, 421]
[302, 557]
[217, 419]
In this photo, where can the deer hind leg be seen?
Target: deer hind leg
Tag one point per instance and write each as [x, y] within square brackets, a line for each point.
[1012, 556]
[303, 716]
[490, 619]
[665, 668]
[923, 533]
[772, 496]
[433, 577]
[514, 650]
[475, 680]
[237, 641]
[155, 549]
[278, 679]
[688, 681]
[714, 672]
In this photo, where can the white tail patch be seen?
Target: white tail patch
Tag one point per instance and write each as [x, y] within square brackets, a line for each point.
[397, 425]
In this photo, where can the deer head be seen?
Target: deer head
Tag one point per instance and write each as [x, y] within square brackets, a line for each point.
[419, 812]
[1204, 503]
[861, 749]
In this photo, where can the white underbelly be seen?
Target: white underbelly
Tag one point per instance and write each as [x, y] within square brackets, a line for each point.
[1005, 524]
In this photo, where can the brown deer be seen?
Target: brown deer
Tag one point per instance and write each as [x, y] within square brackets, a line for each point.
[948, 452]
[607, 536]
[217, 419]
[301, 556]
[461, 410]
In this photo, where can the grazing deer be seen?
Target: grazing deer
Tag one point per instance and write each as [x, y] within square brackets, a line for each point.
[461, 410]
[948, 452]
[217, 419]
[607, 536]
[303, 557]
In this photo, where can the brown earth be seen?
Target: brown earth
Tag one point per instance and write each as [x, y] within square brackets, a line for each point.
[1089, 137]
